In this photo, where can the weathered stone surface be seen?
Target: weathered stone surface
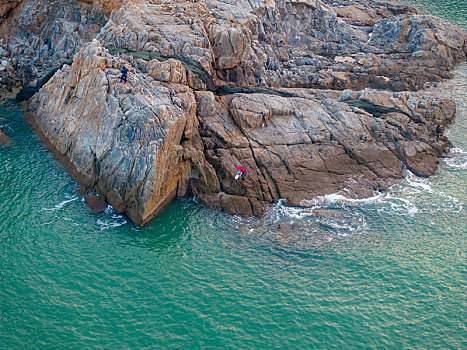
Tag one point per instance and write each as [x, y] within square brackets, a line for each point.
[42, 34]
[218, 84]
[313, 146]
[7, 6]
[105, 6]
[123, 139]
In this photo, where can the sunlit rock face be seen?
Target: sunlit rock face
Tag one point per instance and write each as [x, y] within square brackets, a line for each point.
[123, 139]
[282, 88]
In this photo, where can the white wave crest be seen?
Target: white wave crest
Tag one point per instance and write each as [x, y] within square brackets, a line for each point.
[112, 219]
[457, 158]
[283, 209]
[341, 221]
[339, 198]
[458, 150]
[61, 204]
[399, 205]
[418, 182]
[115, 221]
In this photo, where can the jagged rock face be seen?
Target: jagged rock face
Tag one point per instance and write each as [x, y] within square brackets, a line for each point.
[6, 7]
[3, 138]
[175, 129]
[106, 6]
[42, 34]
[295, 43]
[322, 50]
[313, 145]
[123, 139]
[155, 27]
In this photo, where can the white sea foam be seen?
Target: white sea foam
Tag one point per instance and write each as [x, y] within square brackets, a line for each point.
[61, 204]
[115, 221]
[457, 158]
[337, 214]
[283, 209]
[415, 181]
[112, 219]
[109, 210]
[343, 226]
[456, 162]
[458, 150]
[333, 198]
[342, 220]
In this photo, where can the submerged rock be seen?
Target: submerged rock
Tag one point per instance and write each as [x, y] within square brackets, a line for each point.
[3, 138]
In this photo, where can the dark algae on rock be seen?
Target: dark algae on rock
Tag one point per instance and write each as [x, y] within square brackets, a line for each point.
[312, 97]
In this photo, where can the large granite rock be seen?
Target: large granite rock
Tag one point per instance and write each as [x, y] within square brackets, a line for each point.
[122, 139]
[8, 6]
[295, 43]
[261, 84]
[3, 138]
[314, 145]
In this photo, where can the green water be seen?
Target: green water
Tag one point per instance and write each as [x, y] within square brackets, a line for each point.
[388, 272]
[455, 11]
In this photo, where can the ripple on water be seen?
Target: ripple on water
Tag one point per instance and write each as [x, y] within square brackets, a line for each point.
[457, 159]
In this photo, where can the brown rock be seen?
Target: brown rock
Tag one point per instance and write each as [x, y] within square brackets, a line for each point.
[161, 134]
[97, 203]
[3, 138]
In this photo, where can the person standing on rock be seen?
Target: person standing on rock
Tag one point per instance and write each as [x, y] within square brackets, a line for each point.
[124, 72]
[439, 131]
[263, 120]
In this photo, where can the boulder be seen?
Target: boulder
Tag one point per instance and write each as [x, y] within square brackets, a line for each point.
[122, 139]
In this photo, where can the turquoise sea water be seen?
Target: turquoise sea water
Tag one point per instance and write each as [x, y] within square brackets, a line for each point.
[455, 11]
[387, 272]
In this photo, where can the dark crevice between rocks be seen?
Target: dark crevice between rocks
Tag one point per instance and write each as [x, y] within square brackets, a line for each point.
[29, 91]
[195, 67]
[262, 170]
[352, 155]
[96, 202]
[133, 163]
[377, 110]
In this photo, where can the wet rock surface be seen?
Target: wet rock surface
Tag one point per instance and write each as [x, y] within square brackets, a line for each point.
[285, 89]
[3, 138]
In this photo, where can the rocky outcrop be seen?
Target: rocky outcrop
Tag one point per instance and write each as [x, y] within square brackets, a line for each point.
[123, 140]
[314, 145]
[6, 71]
[3, 138]
[7, 7]
[293, 44]
[282, 88]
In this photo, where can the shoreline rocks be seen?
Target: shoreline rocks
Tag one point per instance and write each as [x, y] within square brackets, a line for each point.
[286, 89]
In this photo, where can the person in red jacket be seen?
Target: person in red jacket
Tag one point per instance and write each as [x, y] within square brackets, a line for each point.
[241, 171]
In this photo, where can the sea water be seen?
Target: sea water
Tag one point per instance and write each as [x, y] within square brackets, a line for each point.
[383, 272]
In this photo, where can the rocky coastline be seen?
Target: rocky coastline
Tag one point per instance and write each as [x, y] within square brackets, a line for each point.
[312, 97]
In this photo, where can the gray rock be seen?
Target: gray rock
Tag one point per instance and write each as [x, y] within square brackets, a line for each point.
[214, 85]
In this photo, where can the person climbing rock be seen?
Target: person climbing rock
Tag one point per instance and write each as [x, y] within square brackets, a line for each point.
[124, 72]
[241, 171]
[439, 131]
[263, 118]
